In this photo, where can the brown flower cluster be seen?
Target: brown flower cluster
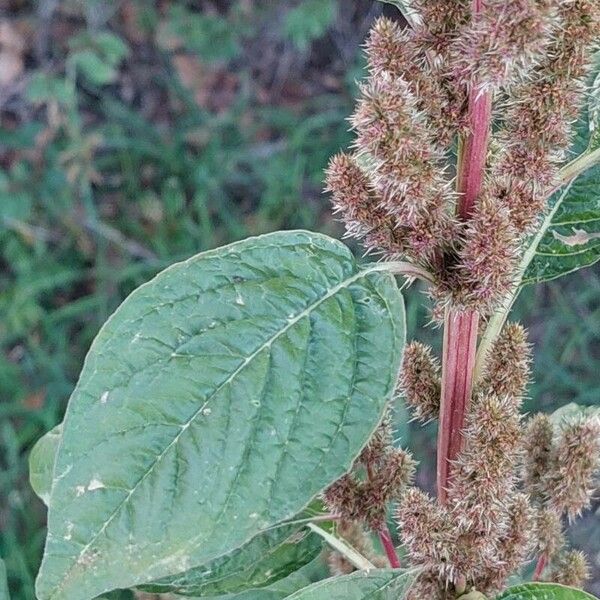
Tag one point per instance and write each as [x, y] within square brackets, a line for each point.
[484, 531]
[512, 483]
[379, 476]
[394, 192]
[561, 461]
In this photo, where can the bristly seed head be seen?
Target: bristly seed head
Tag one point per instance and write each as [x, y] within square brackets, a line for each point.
[576, 460]
[420, 381]
[507, 368]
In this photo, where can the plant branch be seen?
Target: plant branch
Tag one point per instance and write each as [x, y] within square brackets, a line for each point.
[460, 327]
[347, 551]
[403, 268]
[388, 545]
[577, 166]
[539, 567]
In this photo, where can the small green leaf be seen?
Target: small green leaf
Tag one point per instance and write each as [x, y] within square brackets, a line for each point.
[98, 70]
[41, 463]
[378, 584]
[311, 573]
[544, 591]
[217, 402]
[406, 7]
[265, 559]
[309, 21]
[4, 594]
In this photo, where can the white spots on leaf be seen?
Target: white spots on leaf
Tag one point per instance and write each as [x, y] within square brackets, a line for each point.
[104, 397]
[80, 490]
[95, 484]
[206, 411]
[239, 300]
[253, 515]
[69, 533]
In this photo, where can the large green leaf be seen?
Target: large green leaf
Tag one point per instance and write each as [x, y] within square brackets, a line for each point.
[216, 402]
[378, 584]
[543, 591]
[265, 559]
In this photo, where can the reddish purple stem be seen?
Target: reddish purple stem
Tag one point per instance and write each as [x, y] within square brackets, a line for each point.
[460, 332]
[388, 545]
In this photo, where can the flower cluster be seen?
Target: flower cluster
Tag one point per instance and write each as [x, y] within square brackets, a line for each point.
[394, 192]
[561, 460]
[483, 532]
[380, 475]
[512, 483]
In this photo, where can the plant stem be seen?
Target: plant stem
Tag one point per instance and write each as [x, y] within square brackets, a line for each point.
[460, 327]
[458, 361]
[539, 567]
[386, 541]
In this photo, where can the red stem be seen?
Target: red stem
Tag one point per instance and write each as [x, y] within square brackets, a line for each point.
[539, 567]
[386, 541]
[470, 175]
[460, 345]
[460, 328]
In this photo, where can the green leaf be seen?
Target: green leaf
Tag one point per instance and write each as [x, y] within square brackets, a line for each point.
[98, 70]
[4, 594]
[217, 401]
[41, 463]
[378, 584]
[309, 21]
[265, 559]
[543, 591]
[570, 237]
[311, 573]
[408, 10]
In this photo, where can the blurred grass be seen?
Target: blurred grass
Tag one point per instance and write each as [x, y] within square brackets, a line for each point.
[135, 134]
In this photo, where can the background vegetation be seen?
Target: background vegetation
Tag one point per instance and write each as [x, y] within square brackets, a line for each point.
[136, 133]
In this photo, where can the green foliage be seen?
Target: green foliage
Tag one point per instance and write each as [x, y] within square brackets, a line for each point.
[102, 186]
[574, 412]
[4, 595]
[258, 354]
[572, 238]
[97, 57]
[210, 36]
[309, 21]
[264, 560]
[543, 591]
[378, 584]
